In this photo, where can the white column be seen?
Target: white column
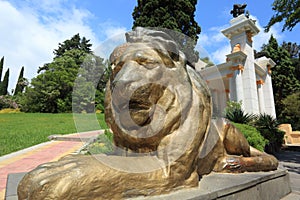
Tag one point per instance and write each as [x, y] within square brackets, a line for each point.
[269, 98]
[232, 89]
[261, 100]
[239, 91]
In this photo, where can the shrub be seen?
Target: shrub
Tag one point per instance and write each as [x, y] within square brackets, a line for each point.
[291, 110]
[7, 102]
[267, 126]
[237, 115]
[252, 135]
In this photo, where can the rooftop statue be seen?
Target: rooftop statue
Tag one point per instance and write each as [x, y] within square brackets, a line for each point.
[159, 110]
[239, 9]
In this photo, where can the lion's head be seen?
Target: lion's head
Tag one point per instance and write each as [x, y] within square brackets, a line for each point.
[150, 92]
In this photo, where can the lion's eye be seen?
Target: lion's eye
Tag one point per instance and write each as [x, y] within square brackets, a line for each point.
[145, 60]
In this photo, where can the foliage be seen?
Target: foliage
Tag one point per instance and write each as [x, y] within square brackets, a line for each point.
[7, 101]
[74, 43]
[294, 51]
[232, 105]
[51, 91]
[252, 135]
[287, 10]
[268, 127]
[1, 71]
[21, 83]
[103, 144]
[283, 74]
[86, 93]
[175, 15]
[292, 48]
[291, 111]
[234, 113]
[4, 84]
[207, 61]
[22, 130]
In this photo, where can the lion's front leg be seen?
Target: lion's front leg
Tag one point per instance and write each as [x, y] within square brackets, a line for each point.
[57, 180]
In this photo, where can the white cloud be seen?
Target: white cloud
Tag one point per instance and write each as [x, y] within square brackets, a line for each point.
[219, 56]
[28, 37]
[262, 37]
[113, 35]
[203, 39]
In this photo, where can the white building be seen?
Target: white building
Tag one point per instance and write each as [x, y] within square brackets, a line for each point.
[241, 77]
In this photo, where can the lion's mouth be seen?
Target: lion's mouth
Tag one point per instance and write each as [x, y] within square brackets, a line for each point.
[140, 106]
[143, 103]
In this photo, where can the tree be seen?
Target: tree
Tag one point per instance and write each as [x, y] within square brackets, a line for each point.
[4, 84]
[51, 90]
[283, 74]
[87, 93]
[207, 61]
[1, 67]
[291, 112]
[1, 70]
[287, 10]
[74, 43]
[21, 83]
[294, 50]
[177, 15]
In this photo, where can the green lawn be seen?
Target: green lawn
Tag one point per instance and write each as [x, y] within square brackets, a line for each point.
[22, 130]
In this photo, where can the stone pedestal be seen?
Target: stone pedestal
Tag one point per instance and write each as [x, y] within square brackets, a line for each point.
[247, 186]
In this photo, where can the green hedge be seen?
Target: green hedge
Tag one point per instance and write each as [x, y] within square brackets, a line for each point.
[253, 136]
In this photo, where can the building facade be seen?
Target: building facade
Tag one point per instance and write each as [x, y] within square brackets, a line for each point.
[242, 78]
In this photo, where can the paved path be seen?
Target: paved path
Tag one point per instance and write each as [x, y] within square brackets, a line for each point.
[28, 159]
[290, 160]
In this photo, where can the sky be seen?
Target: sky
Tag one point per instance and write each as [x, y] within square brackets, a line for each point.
[31, 29]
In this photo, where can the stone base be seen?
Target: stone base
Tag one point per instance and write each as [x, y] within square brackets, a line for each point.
[247, 186]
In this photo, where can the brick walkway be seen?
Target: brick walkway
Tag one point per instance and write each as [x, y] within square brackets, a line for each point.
[28, 159]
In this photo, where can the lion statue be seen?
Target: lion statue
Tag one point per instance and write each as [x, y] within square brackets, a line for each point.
[160, 111]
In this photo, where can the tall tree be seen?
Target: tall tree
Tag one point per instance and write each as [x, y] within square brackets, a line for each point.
[294, 50]
[51, 91]
[176, 15]
[74, 43]
[287, 10]
[283, 74]
[1, 67]
[4, 84]
[21, 83]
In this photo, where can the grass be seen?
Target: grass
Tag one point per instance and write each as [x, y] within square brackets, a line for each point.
[22, 130]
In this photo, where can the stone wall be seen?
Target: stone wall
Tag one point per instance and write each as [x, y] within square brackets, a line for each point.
[290, 137]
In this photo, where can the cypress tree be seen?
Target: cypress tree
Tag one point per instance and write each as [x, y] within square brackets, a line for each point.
[283, 74]
[20, 83]
[1, 69]
[177, 15]
[4, 84]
